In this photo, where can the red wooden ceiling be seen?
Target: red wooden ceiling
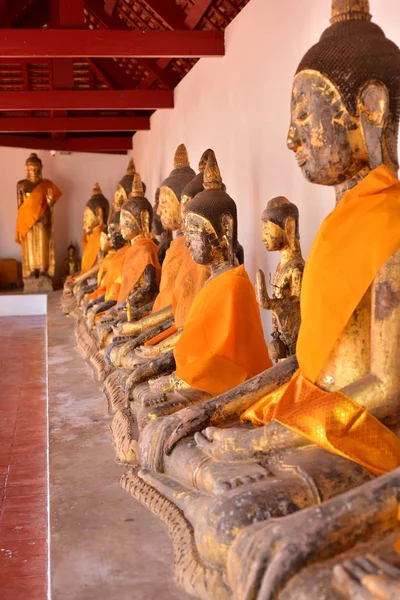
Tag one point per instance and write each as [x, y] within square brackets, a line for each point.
[97, 102]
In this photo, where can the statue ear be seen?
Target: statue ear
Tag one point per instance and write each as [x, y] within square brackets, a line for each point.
[100, 214]
[374, 113]
[227, 228]
[145, 220]
[290, 231]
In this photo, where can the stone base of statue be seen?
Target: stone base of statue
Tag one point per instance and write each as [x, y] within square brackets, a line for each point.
[38, 285]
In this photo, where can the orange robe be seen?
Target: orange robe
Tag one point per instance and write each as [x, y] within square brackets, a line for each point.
[353, 243]
[170, 268]
[101, 277]
[139, 255]
[222, 344]
[189, 280]
[34, 207]
[91, 249]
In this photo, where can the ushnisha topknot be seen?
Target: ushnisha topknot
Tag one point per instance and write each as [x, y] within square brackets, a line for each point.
[343, 10]
[137, 186]
[33, 159]
[98, 200]
[126, 181]
[278, 210]
[213, 203]
[195, 186]
[181, 174]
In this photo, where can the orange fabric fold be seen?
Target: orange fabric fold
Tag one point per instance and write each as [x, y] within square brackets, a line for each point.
[34, 207]
[189, 281]
[101, 276]
[91, 249]
[222, 344]
[353, 243]
[114, 273]
[331, 420]
[170, 268]
[142, 253]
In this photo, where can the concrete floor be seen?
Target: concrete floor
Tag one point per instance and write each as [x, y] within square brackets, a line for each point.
[103, 543]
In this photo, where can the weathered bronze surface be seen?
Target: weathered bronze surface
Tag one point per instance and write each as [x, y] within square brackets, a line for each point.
[38, 255]
[72, 264]
[280, 232]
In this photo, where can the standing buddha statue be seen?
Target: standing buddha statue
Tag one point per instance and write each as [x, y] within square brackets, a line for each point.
[36, 197]
[331, 424]
[280, 231]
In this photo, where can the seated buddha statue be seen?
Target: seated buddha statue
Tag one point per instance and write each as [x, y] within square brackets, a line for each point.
[161, 235]
[313, 432]
[161, 315]
[72, 264]
[95, 216]
[280, 231]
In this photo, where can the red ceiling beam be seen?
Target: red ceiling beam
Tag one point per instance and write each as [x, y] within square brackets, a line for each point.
[87, 100]
[67, 14]
[169, 12]
[93, 144]
[17, 9]
[109, 6]
[48, 43]
[73, 124]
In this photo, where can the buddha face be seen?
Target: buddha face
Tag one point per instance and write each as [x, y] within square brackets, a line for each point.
[130, 228]
[33, 171]
[114, 235]
[326, 139]
[201, 239]
[169, 209]
[90, 220]
[273, 237]
[119, 197]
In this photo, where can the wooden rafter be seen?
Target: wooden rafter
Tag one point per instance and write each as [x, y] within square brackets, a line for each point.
[169, 12]
[87, 100]
[92, 144]
[73, 124]
[197, 13]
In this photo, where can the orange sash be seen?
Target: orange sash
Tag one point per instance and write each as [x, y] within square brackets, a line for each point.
[142, 253]
[353, 243]
[33, 207]
[222, 344]
[91, 249]
[101, 276]
[115, 272]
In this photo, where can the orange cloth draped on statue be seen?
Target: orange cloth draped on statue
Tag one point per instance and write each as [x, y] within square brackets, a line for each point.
[189, 280]
[142, 253]
[222, 344]
[34, 206]
[91, 249]
[353, 243]
[114, 271]
[102, 276]
[170, 268]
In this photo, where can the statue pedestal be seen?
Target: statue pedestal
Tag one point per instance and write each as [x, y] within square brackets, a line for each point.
[38, 285]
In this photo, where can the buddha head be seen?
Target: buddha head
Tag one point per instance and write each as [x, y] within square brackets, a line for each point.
[136, 213]
[169, 207]
[280, 225]
[116, 241]
[33, 167]
[195, 185]
[96, 211]
[211, 221]
[346, 99]
[124, 187]
[71, 252]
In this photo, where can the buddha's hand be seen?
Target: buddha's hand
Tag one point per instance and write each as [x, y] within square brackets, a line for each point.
[266, 555]
[233, 444]
[367, 578]
[147, 352]
[261, 291]
[128, 328]
[160, 436]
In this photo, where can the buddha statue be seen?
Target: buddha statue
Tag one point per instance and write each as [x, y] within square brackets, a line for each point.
[326, 420]
[161, 235]
[280, 231]
[72, 264]
[95, 216]
[36, 197]
[222, 342]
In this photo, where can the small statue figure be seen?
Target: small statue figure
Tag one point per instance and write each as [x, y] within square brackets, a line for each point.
[326, 421]
[72, 264]
[35, 226]
[280, 232]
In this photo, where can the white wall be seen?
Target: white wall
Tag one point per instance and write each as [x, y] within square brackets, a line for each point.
[239, 106]
[75, 175]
